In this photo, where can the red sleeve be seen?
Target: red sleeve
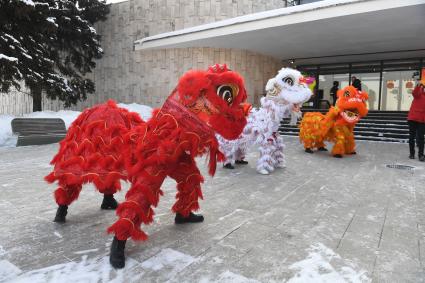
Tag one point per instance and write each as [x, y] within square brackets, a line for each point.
[417, 91]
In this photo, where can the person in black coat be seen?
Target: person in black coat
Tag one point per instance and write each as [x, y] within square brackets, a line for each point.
[356, 83]
[333, 91]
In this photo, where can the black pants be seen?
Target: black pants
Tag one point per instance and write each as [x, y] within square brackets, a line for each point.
[416, 131]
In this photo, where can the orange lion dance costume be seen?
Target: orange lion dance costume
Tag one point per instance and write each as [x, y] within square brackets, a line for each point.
[107, 144]
[337, 125]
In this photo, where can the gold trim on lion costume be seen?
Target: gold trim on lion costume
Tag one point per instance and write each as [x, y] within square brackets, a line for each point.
[337, 125]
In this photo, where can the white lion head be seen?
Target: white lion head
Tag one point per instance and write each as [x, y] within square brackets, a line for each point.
[288, 87]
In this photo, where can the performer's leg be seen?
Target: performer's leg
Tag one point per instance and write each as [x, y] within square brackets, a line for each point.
[64, 196]
[412, 136]
[339, 148]
[421, 132]
[109, 202]
[240, 155]
[278, 156]
[321, 146]
[265, 162]
[135, 210]
[350, 143]
[189, 191]
[305, 135]
[308, 144]
[228, 149]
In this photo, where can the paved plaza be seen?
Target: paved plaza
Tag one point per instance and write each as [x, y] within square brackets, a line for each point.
[321, 219]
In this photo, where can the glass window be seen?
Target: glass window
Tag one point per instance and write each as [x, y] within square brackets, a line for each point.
[397, 90]
[326, 83]
[370, 84]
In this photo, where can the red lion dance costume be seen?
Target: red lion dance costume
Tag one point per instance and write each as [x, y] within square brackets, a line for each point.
[337, 125]
[107, 144]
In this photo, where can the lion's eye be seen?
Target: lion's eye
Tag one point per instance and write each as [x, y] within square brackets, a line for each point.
[288, 80]
[347, 94]
[227, 93]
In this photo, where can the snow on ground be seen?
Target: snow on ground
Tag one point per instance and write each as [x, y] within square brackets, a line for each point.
[323, 265]
[229, 277]
[174, 261]
[98, 269]
[8, 270]
[168, 261]
[91, 270]
[7, 139]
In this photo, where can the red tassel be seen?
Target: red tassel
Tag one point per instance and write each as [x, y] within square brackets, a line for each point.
[124, 229]
[50, 178]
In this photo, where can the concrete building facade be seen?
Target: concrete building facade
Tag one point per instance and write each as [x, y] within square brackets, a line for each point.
[148, 77]
[149, 44]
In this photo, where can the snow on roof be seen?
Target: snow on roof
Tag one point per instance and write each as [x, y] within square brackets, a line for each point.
[252, 17]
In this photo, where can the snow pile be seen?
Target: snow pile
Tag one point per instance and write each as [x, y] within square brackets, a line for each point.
[144, 111]
[7, 139]
[317, 267]
[28, 2]
[2, 56]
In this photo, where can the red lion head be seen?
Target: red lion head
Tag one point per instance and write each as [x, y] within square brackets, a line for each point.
[352, 104]
[216, 97]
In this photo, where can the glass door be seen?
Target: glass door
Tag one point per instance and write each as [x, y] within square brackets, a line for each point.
[397, 87]
[326, 83]
[370, 84]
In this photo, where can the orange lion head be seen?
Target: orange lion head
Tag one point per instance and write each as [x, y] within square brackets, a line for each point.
[216, 96]
[352, 104]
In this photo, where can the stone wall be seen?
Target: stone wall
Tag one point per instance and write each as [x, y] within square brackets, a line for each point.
[149, 76]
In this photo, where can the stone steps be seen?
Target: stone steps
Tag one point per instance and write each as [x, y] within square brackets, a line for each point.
[382, 126]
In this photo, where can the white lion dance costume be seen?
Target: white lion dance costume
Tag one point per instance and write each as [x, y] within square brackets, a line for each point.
[285, 94]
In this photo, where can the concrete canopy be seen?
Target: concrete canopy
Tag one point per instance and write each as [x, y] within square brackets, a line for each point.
[322, 32]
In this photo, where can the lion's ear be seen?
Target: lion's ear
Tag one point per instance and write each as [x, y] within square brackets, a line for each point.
[191, 85]
[270, 84]
[365, 95]
[272, 88]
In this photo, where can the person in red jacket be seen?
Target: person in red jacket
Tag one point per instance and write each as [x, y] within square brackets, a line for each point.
[416, 120]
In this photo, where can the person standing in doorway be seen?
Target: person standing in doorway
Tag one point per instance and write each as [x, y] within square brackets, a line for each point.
[416, 121]
[356, 83]
[333, 91]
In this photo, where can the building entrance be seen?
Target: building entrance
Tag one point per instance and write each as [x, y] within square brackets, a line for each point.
[388, 83]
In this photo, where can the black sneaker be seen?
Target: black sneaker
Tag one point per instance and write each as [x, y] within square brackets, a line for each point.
[422, 158]
[61, 214]
[412, 156]
[228, 166]
[192, 218]
[322, 149]
[338, 156]
[243, 162]
[308, 150]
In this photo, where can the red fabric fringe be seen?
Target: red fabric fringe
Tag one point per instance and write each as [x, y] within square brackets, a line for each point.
[106, 144]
